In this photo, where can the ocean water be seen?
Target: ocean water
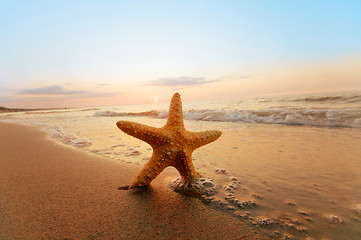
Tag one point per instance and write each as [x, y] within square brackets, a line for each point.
[290, 166]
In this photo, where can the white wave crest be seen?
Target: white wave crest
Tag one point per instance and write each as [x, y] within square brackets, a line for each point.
[71, 138]
[308, 116]
[57, 132]
[107, 114]
[101, 113]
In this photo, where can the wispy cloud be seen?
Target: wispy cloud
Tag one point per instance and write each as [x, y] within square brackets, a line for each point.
[52, 90]
[59, 91]
[56, 96]
[180, 81]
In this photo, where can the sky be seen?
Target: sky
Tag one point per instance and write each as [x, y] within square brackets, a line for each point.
[103, 53]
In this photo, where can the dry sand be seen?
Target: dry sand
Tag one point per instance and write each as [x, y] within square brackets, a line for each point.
[51, 191]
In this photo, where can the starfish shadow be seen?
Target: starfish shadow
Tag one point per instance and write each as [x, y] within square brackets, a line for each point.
[136, 190]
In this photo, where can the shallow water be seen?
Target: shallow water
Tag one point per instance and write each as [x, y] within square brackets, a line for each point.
[304, 179]
[298, 177]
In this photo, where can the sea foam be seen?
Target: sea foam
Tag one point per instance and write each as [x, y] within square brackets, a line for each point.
[57, 132]
[307, 116]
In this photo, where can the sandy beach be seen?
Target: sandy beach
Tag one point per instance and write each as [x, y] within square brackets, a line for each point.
[180, 120]
[51, 191]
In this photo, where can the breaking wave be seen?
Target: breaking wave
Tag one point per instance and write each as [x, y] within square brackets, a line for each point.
[310, 117]
[107, 113]
[329, 99]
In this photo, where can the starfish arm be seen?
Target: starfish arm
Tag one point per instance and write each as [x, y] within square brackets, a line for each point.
[175, 114]
[150, 171]
[187, 170]
[202, 138]
[151, 135]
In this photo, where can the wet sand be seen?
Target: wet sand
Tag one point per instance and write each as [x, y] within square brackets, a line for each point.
[305, 180]
[51, 191]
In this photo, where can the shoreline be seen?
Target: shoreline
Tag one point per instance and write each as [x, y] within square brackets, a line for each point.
[15, 110]
[53, 191]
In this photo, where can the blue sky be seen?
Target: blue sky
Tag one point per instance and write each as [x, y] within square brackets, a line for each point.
[79, 46]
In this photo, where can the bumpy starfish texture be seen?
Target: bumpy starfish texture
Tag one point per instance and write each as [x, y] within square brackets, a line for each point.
[172, 145]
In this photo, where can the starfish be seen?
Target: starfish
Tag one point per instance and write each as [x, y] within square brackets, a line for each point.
[172, 145]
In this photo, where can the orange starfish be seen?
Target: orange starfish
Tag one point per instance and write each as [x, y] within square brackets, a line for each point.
[172, 145]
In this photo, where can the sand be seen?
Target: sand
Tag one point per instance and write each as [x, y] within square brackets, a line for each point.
[52, 191]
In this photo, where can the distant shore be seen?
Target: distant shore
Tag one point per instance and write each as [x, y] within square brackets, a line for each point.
[5, 110]
[51, 191]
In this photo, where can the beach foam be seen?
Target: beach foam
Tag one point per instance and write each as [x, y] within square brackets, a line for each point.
[200, 186]
[71, 138]
[57, 132]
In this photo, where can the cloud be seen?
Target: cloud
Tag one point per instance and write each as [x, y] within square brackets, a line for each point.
[57, 91]
[180, 81]
[51, 90]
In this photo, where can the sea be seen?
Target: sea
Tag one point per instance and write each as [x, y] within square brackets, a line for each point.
[288, 165]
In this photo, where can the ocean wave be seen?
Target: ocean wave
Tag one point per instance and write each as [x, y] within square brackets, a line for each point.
[309, 117]
[352, 98]
[106, 113]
